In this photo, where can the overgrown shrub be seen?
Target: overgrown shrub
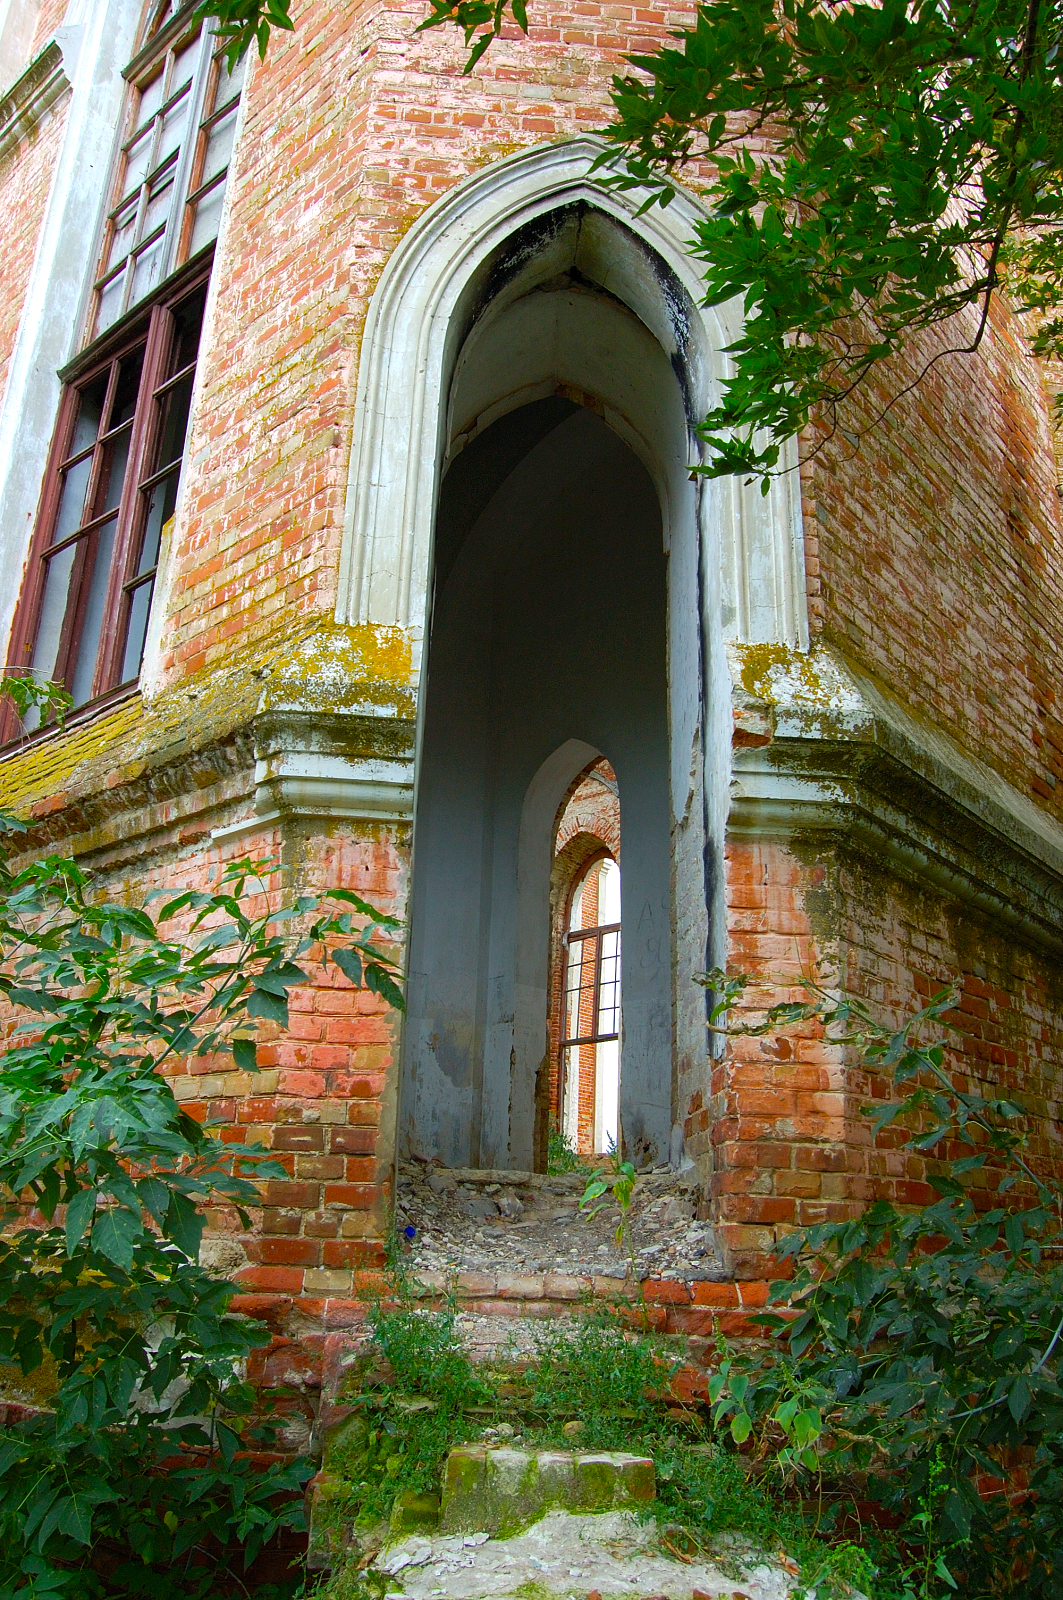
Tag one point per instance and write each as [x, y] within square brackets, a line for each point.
[916, 1353]
[138, 1462]
[599, 1374]
[407, 1416]
[561, 1156]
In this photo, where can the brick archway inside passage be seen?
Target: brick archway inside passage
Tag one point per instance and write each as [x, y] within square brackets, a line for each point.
[577, 1093]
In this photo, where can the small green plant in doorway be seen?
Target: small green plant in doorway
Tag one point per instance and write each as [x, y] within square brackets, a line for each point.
[561, 1156]
[614, 1183]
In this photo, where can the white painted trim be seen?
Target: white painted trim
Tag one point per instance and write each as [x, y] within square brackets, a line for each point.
[308, 784]
[407, 359]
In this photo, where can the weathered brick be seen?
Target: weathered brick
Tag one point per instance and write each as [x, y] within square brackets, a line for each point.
[299, 1136]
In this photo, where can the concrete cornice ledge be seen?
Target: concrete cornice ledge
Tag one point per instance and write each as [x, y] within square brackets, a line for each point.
[329, 766]
[31, 97]
[822, 751]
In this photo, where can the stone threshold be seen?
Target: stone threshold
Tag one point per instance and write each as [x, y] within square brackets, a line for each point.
[695, 1310]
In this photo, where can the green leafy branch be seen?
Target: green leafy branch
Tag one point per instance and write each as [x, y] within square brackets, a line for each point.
[28, 693]
[246, 22]
[480, 21]
[916, 1349]
[138, 1434]
[871, 172]
[614, 1183]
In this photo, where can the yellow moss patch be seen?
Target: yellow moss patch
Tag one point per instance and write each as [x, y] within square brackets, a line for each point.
[45, 766]
[337, 665]
[777, 672]
[317, 665]
[35, 1388]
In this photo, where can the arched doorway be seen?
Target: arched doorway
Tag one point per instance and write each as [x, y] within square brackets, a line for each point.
[528, 283]
[548, 634]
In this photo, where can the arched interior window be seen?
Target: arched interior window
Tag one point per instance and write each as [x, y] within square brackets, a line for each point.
[590, 1013]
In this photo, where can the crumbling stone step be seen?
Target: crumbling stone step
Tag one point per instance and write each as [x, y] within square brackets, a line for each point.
[498, 1489]
[611, 1555]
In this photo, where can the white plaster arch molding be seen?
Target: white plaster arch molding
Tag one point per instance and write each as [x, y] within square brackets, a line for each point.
[410, 347]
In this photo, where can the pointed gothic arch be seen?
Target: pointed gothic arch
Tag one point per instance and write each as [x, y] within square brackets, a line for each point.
[429, 292]
[528, 286]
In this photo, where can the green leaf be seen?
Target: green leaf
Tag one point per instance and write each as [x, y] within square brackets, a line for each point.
[1015, 1232]
[380, 981]
[245, 1054]
[183, 1224]
[741, 1428]
[262, 1003]
[154, 1195]
[350, 964]
[1020, 1398]
[115, 1233]
[74, 1519]
[79, 1213]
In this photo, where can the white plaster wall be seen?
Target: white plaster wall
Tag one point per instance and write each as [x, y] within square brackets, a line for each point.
[18, 20]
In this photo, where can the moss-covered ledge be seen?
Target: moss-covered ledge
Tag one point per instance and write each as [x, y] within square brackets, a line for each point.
[316, 721]
[820, 751]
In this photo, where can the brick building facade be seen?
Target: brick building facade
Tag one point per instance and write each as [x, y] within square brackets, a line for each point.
[441, 376]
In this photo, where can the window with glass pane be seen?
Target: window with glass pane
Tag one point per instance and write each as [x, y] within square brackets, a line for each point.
[169, 181]
[111, 494]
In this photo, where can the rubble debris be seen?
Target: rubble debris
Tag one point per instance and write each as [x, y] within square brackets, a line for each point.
[469, 1220]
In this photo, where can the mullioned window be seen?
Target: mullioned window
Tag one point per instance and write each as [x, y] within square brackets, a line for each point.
[113, 476]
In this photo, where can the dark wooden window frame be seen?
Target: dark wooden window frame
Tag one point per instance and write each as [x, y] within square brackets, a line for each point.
[150, 326]
[583, 936]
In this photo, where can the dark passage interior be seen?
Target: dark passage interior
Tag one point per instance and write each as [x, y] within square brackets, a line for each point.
[547, 648]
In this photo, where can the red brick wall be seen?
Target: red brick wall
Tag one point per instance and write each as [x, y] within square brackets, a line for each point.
[319, 1100]
[25, 181]
[790, 1145]
[936, 553]
[49, 18]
